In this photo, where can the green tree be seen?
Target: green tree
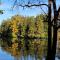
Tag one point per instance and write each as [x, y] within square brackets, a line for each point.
[39, 26]
[31, 25]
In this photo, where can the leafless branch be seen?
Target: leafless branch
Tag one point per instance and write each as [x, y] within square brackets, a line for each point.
[43, 10]
[31, 5]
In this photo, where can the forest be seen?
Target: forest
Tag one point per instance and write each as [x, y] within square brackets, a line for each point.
[20, 34]
[24, 27]
[36, 34]
[25, 35]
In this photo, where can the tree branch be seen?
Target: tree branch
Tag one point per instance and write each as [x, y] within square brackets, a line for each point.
[43, 10]
[31, 5]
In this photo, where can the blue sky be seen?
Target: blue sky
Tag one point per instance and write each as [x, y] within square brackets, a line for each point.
[8, 12]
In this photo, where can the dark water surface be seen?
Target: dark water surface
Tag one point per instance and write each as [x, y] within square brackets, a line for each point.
[35, 52]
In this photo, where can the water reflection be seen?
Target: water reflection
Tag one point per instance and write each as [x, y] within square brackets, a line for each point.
[31, 49]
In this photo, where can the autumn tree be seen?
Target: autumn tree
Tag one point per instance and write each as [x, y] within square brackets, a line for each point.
[39, 26]
[31, 25]
[51, 3]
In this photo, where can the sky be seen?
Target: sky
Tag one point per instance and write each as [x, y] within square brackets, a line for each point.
[8, 12]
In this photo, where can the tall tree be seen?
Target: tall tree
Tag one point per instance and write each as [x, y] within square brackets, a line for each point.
[31, 25]
[56, 13]
[49, 21]
[49, 31]
[39, 26]
[51, 52]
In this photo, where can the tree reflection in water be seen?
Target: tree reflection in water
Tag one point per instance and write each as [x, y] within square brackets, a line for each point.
[37, 49]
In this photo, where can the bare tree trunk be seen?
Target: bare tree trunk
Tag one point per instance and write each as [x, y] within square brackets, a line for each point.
[54, 31]
[54, 43]
[52, 50]
[49, 32]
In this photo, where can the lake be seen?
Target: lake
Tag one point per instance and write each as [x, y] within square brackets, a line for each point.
[4, 55]
[14, 53]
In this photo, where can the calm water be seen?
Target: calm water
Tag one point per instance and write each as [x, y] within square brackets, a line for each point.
[13, 53]
[4, 55]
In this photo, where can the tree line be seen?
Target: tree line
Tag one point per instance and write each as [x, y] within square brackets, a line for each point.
[19, 26]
